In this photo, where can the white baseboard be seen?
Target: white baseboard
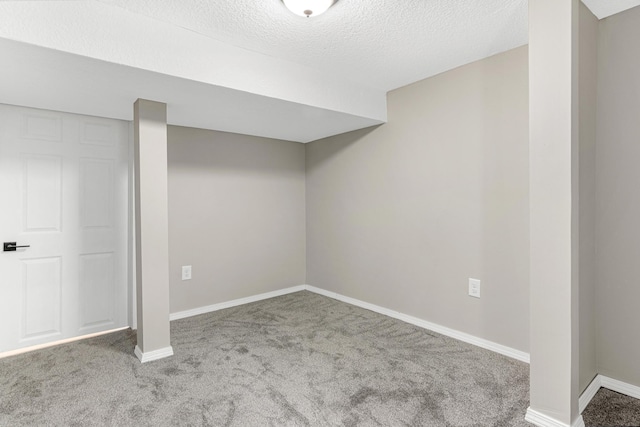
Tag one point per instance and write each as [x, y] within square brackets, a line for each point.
[541, 420]
[589, 392]
[610, 383]
[150, 356]
[468, 338]
[620, 387]
[235, 302]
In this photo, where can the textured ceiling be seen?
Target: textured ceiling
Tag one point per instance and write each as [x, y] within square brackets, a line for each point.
[382, 44]
[247, 66]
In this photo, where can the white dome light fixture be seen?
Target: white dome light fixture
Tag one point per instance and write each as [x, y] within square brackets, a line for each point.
[308, 8]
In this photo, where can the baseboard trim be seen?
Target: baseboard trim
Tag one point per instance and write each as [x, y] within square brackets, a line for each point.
[589, 392]
[150, 356]
[541, 420]
[235, 302]
[609, 383]
[462, 336]
[620, 386]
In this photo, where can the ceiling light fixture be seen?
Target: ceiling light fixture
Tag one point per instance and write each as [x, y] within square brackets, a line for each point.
[308, 8]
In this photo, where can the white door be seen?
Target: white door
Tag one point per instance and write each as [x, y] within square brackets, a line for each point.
[63, 192]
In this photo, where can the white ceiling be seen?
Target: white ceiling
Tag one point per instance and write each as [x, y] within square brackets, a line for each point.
[604, 8]
[65, 82]
[247, 66]
[384, 44]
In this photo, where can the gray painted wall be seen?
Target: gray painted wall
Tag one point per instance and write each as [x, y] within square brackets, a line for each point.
[587, 170]
[236, 215]
[618, 197]
[403, 214]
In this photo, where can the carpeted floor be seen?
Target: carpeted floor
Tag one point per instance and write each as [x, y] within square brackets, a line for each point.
[608, 408]
[297, 360]
[300, 359]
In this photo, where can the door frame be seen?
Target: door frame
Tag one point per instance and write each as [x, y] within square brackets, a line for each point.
[131, 247]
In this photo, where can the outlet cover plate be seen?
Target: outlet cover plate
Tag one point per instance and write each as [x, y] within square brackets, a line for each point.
[474, 288]
[186, 272]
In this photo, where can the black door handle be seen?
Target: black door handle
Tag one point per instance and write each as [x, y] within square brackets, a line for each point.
[12, 246]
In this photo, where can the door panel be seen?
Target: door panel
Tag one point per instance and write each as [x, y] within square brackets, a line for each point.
[64, 192]
[96, 193]
[98, 294]
[42, 125]
[42, 193]
[41, 291]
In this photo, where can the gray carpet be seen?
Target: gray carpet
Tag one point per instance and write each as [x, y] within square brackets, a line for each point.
[608, 408]
[296, 360]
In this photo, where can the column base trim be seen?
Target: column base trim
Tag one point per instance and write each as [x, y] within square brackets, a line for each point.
[150, 356]
[541, 420]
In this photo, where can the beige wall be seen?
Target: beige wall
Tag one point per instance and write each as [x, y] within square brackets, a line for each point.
[403, 214]
[236, 215]
[618, 197]
[588, 85]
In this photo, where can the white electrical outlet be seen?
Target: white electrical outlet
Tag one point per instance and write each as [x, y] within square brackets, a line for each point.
[186, 272]
[474, 288]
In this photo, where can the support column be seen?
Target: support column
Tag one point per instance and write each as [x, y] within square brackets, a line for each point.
[553, 148]
[152, 230]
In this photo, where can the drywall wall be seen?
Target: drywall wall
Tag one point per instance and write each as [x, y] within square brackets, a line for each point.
[554, 212]
[236, 215]
[402, 215]
[587, 169]
[618, 198]
[152, 246]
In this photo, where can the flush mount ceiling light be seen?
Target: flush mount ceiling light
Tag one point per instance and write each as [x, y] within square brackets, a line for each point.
[308, 8]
